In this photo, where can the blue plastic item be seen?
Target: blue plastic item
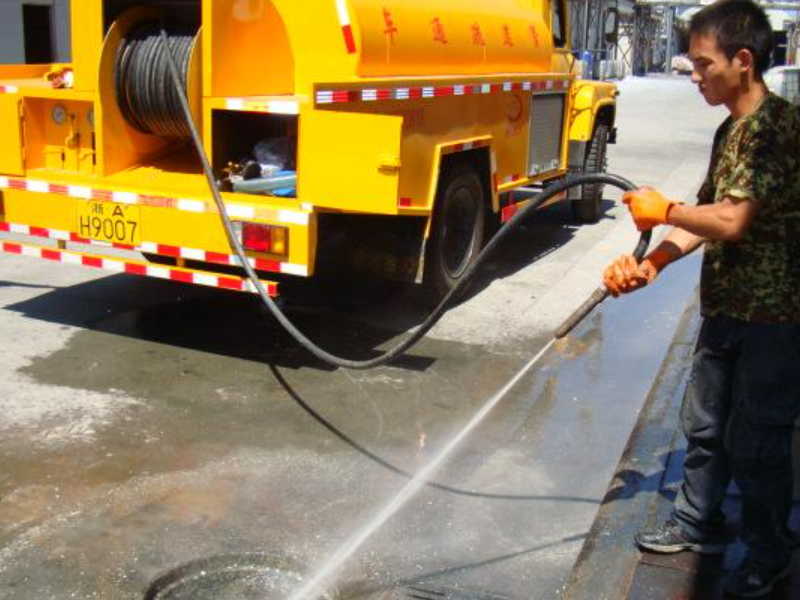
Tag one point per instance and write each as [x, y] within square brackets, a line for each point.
[588, 60]
[282, 183]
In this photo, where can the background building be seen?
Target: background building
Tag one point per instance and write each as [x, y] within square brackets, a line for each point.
[613, 38]
[599, 36]
[34, 31]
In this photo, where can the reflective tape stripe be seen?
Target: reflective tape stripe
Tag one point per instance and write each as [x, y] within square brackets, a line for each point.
[77, 191]
[198, 254]
[283, 107]
[113, 265]
[278, 107]
[239, 211]
[191, 205]
[290, 269]
[34, 185]
[72, 259]
[415, 92]
[193, 254]
[465, 146]
[292, 217]
[125, 197]
[347, 29]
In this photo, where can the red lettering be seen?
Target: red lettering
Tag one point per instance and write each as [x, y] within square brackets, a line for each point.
[391, 28]
[507, 41]
[438, 31]
[535, 35]
[477, 35]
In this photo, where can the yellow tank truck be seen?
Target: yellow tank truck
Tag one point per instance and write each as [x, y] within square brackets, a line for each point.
[391, 133]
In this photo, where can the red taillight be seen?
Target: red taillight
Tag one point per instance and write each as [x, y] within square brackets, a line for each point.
[256, 237]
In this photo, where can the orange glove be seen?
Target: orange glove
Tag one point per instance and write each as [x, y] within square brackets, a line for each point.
[648, 207]
[624, 275]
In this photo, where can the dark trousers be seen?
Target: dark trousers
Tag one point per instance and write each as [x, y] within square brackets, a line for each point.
[738, 416]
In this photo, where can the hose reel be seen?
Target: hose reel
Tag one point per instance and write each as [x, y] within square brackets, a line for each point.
[146, 96]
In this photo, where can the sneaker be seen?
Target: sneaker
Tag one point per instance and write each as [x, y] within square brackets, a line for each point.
[754, 580]
[670, 538]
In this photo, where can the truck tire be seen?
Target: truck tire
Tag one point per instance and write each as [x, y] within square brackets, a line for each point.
[586, 209]
[458, 231]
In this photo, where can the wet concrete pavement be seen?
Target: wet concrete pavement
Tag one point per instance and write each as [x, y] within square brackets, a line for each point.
[206, 453]
[641, 495]
[146, 424]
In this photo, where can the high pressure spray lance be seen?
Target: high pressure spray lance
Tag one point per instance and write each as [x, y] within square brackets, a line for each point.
[596, 298]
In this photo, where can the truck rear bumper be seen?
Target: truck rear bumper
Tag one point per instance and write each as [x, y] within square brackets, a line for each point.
[186, 231]
[132, 266]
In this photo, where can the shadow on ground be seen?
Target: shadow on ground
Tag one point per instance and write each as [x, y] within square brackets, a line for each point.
[238, 325]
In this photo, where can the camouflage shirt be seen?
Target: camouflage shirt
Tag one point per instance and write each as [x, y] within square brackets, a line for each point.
[756, 157]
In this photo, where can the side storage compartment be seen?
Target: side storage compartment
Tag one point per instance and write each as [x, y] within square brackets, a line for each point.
[256, 153]
[350, 161]
[59, 135]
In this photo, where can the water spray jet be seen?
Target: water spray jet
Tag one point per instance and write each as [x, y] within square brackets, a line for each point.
[315, 587]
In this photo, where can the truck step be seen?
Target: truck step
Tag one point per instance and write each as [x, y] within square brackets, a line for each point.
[135, 267]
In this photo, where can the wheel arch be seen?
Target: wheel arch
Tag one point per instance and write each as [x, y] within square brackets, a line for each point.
[481, 158]
[592, 102]
[449, 248]
[606, 114]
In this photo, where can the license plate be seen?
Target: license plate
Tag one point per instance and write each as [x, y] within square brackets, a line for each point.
[110, 222]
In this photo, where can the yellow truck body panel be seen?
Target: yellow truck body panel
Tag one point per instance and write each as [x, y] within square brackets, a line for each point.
[375, 97]
[590, 98]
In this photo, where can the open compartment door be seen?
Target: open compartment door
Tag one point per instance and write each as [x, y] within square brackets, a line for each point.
[10, 136]
[349, 161]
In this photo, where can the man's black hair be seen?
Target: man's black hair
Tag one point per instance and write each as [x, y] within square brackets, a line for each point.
[737, 25]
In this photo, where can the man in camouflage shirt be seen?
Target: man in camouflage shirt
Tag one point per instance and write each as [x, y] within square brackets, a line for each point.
[756, 156]
[744, 391]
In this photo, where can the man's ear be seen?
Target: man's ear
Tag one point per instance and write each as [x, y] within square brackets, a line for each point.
[745, 60]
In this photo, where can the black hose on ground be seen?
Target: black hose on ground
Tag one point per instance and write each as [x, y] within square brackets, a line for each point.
[390, 355]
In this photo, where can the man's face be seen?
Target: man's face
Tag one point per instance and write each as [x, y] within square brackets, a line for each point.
[718, 78]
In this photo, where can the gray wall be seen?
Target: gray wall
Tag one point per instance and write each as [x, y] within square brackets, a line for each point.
[12, 44]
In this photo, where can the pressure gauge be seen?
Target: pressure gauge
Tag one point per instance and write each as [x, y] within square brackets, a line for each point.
[59, 114]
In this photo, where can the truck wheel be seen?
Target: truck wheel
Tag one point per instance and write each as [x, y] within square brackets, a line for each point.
[586, 209]
[458, 230]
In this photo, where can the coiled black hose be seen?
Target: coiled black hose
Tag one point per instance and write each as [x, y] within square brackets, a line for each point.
[390, 355]
[145, 94]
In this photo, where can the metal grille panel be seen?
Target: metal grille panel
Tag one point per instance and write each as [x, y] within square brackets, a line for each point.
[784, 81]
[792, 86]
[547, 120]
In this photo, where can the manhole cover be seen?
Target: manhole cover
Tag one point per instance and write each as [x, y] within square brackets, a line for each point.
[231, 577]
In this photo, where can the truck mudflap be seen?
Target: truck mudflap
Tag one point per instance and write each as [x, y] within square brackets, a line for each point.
[131, 266]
